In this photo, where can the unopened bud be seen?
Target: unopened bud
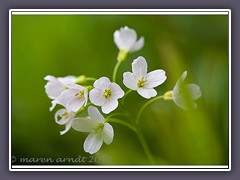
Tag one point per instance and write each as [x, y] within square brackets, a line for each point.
[168, 95]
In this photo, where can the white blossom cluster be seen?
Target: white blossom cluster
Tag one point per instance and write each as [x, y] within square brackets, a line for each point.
[75, 97]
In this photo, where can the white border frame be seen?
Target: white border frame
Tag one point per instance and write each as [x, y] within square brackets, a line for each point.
[119, 12]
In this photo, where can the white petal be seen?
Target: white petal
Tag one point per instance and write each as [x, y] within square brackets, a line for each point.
[49, 78]
[54, 103]
[96, 97]
[179, 83]
[182, 103]
[67, 127]
[75, 104]
[86, 96]
[71, 101]
[147, 93]
[55, 86]
[62, 120]
[93, 143]
[182, 78]
[176, 89]
[193, 90]
[178, 100]
[125, 38]
[67, 96]
[54, 89]
[102, 83]
[95, 114]
[139, 67]
[155, 78]
[129, 81]
[138, 45]
[116, 90]
[107, 133]
[110, 105]
[68, 80]
[84, 124]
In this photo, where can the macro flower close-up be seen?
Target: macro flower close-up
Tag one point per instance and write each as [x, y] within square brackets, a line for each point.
[55, 87]
[141, 81]
[192, 92]
[184, 94]
[126, 40]
[74, 97]
[64, 117]
[106, 94]
[99, 130]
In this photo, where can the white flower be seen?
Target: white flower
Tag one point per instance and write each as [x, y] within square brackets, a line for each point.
[106, 94]
[99, 130]
[64, 117]
[55, 87]
[74, 97]
[183, 95]
[141, 81]
[126, 40]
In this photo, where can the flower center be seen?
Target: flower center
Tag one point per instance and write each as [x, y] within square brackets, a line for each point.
[65, 115]
[107, 93]
[80, 94]
[141, 82]
[98, 128]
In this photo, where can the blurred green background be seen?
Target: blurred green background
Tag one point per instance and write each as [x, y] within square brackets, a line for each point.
[62, 45]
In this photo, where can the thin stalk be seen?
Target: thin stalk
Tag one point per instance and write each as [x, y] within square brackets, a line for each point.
[139, 135]
[116, 114]
[145, 146]
[118, 121]
[144, 106]
[91, 79]
[123, 99]
[115, 70]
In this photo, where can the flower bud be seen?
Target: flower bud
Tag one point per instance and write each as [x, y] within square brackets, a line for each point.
[168, 95]
[81, 79]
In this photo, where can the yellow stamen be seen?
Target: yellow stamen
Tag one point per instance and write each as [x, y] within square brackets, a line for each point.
[65, 115]
[80, 94]
[107, 93]
[99, 128]
[141, 82]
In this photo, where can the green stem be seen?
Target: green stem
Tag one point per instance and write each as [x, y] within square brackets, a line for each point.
[123, 99]
[115, 71]
[145, 146]
[116, 114]
[89, 103]
[138, 133]
[121, 122]
[144, 106]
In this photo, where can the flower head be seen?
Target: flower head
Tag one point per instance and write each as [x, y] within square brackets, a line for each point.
[126, 41]
[106, 94]
[184, 94]
[55, 87]
[74, 97]
[99, 130]
[141, 81]
[64, 117]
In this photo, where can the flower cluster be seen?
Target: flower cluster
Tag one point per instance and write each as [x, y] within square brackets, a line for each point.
[75, 96]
